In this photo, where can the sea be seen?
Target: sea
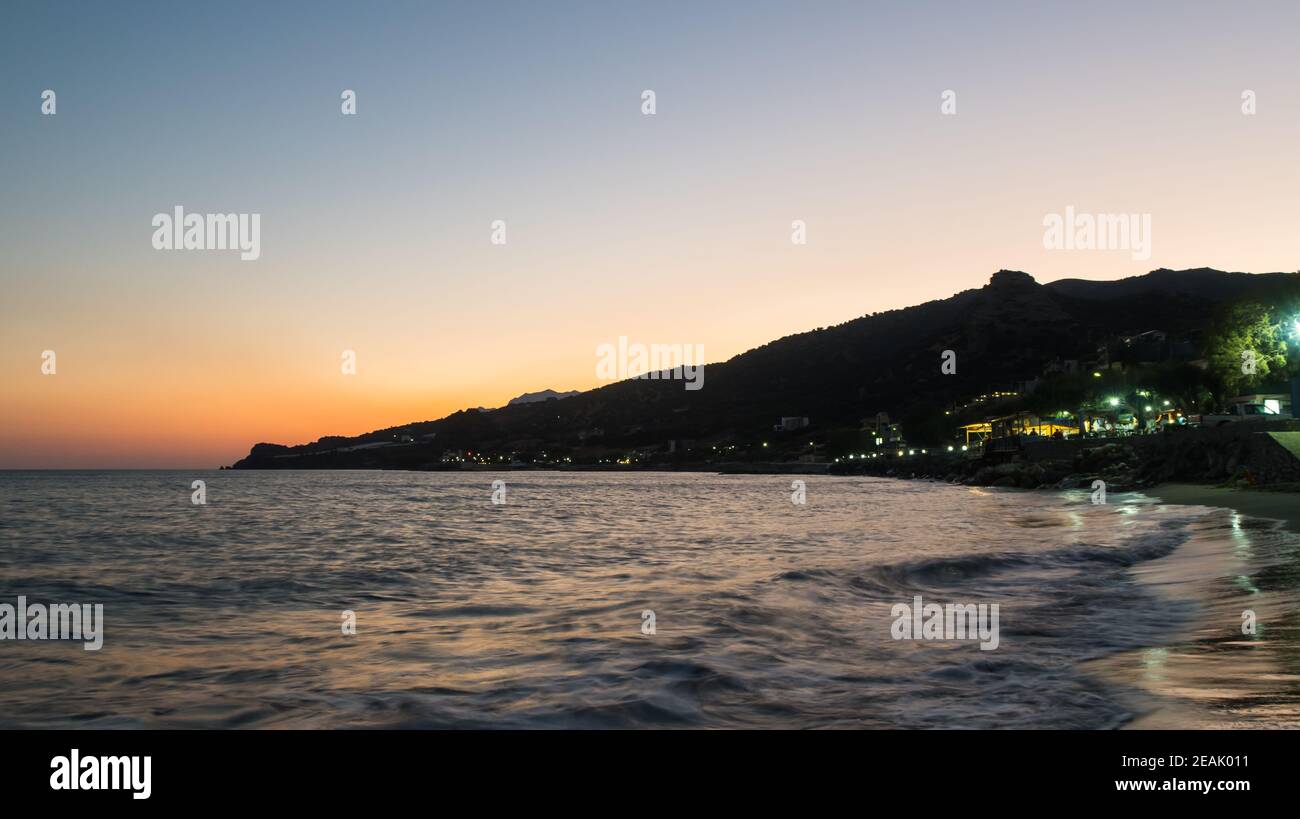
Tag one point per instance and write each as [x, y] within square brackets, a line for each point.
[557, 600]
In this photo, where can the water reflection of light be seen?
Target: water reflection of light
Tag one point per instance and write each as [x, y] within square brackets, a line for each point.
[1155, 660]
[1130, 514]
[1244, 548]
[1246, 583]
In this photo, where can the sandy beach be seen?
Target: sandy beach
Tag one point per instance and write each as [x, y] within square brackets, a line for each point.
[1239, 559]
[1259, 503]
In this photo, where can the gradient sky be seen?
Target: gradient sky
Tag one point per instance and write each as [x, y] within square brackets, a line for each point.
[673, 228]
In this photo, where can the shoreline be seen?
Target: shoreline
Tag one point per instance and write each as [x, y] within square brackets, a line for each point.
[1276, 504]
[1213, 675]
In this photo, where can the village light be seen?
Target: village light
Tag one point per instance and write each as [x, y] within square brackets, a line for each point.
[1114, 402]
[1148, 408]
[1166, 403]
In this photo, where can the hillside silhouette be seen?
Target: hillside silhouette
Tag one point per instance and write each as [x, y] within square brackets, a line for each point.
[1003, 333]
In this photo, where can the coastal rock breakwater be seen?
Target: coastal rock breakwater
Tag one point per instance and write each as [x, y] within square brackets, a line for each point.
[1244, 454]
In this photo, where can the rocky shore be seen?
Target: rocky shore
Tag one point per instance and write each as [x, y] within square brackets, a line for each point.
[1114, 464]
[1241, 456]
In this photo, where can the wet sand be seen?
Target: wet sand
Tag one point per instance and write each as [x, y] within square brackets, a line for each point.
[1283, 506]
[1214, 675]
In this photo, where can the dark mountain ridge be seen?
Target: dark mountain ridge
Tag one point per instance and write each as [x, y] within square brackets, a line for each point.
[1004, 332]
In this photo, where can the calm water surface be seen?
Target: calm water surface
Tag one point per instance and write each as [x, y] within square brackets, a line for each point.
[529, 614]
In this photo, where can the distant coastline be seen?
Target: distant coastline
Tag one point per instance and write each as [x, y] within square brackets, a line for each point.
[1049, 384]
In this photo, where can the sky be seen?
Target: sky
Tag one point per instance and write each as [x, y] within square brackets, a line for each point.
[674, 227]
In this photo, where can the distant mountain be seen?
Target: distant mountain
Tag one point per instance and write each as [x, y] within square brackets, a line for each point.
[1003, 332]
[1203, 282]
[538, 397]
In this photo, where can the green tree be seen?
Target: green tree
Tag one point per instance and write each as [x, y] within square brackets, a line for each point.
[1185, 385]
[1247, 348]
